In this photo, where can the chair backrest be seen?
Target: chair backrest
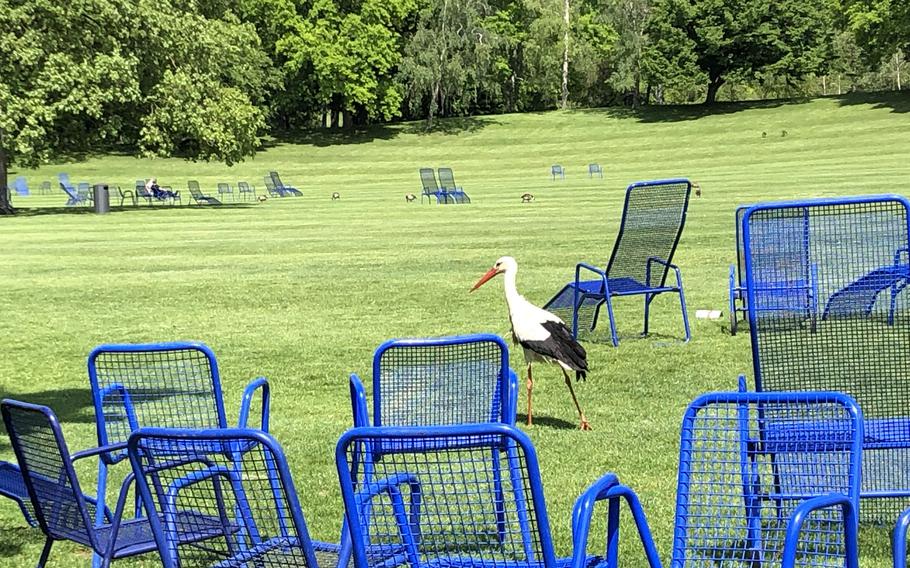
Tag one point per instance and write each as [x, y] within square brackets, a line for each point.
[168, 385]
[270, 184]
[224, 188]
[653, 218]
[193, 186]
[66, 186]
[428, 180]
[140, 186]
[593, 168]
[244, 187]
[276, 179]
[827, 306]
[48, 472]
[83, 187]
[20, 185]
[229, 488]
[441, 381]
[747, 460]
[446, 178]
[470, 495]
[740, 251]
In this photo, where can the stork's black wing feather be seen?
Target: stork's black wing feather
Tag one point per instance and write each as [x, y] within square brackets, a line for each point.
[561, 346]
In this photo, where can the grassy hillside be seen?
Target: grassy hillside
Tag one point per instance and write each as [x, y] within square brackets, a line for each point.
[302, 290]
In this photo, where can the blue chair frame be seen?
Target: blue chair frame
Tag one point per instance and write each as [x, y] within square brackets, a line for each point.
[73, 197]
[12, 486]
[557, 170]
[528, 533]
[284, 189]
[793, 350]
[248, 540]
[448, 187]
[738, 304]
[595, 169]
[430, 187]
[581, 293]
[64, 495]
[115, 399]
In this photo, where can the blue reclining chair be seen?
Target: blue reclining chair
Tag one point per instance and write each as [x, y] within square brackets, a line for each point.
[61, 509]
[653, 218]
[73, 196]
[430, 187]
[237, 477]
[21, 186]
[450, 188]
[286, 190]
[828, 310]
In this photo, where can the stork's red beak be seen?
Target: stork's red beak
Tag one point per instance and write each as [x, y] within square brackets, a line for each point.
[490, 274]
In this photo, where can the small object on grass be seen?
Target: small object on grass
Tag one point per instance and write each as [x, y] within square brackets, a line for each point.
[336, 196]
[527, 198]
[697, 187]
[263, 198]
[783, 133]
[708, 314]
[410, 197]
[764, 134]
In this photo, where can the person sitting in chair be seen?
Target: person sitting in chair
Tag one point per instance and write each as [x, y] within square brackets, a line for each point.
[152, 187]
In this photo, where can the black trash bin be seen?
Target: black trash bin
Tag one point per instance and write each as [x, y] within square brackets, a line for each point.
[102, 198]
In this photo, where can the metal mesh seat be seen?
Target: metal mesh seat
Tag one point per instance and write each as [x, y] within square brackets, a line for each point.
[221, 498]
[62, 511]
[653, 218]
[284, 189]
[12, 486]
[828, 310]
[453, 497]
[448, 186]
[430, 187]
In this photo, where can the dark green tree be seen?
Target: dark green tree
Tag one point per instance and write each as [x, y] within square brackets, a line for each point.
[881, 26]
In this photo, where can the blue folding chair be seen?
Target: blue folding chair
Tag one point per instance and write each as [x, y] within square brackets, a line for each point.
[653, 218]
[438, 381]
[430, 187]
[284, 189]
[21, 187]
[557, 171]
[450, 188]
[239, 479]
[438, 498]
[825, 283]
[61, 509]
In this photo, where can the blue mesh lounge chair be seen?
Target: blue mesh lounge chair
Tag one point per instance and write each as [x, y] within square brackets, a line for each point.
[653, 218]
[828, 310]
[432, 501]
[749, 494]
[62, 512]
[225, 189]
[450, 188]
[238, 477]
[595, 170]
[73, 197]
[12, 486]
[20, 186]
[198, 197]
[271, 189]
[557, 171]
[285, 189]
[246, 191]
[430, 187]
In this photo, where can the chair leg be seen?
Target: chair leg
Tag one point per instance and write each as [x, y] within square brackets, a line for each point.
[613, 336]
[648, 298]
[48, 543]
[682, 305]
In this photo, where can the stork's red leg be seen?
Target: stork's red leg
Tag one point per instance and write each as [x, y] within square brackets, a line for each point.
[584, 421]
[530, 388]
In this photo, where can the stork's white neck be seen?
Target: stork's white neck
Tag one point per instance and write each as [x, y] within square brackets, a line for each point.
[513, 298]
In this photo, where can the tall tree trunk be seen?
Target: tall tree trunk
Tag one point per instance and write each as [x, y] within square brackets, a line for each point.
[565, 57]
[713, 87]
[6, 208]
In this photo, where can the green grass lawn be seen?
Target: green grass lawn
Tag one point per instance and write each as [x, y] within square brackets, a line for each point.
[302, 290]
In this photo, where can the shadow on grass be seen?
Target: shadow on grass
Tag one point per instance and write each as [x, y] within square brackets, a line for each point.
[71, 405]
[364, 135]
[895, 101]
[681, 113]
[13, 538]
[115, 210]
[547, 422]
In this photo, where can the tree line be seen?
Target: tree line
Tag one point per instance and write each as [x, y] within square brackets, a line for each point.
[206, 79]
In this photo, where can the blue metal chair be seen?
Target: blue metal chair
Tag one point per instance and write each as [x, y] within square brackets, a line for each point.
[238, 478]
[653, 218]
[62, 511]
[225, 189]
[73, 196]
[168, 385]
[738, 296]
[431, 187]
[825, 283]
[12, 486]
[21, 186]
[450, 188]
[438, 381]
[435, 500]
[197, 196]
[595, 170]
[285, 189]
[246, 191]
[557, 171]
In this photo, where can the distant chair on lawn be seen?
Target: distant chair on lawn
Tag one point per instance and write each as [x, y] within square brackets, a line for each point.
[197, 195]
[271, 189]
[451, 189]
[73, 197]
[287, 189]
[45, 188]
[557, 171]
[595, 170]
[21, 187]
[225, 189]
[431, 186]
[246, 191]
[84, 190]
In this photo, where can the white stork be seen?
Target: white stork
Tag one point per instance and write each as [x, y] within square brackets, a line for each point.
[543, 336]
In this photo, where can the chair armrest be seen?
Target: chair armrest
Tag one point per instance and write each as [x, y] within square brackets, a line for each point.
[801, 513]
[99, 450]
[408, 521]
[510, 405]
[899, 539]
[259, 383]
[589, 267]
[608, 488]
[359, 402]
